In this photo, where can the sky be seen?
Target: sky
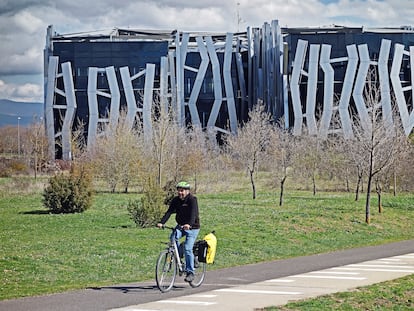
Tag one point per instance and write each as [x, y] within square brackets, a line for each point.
[23, 24]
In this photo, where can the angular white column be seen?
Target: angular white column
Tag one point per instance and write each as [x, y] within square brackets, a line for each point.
[180, 56]
[358, 93]
[294, 86]
[49, 102]
[115, 96]
[384, 79]
[201, 72]
[328, 88]
[218, 97]
[70, 111]
[93, 106]
[132, 108]
[407, 119]
[148, 98]
[228, 85]
[346, 92]
[311, 90]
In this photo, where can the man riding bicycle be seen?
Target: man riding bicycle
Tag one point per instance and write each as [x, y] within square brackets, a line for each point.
[185, 206]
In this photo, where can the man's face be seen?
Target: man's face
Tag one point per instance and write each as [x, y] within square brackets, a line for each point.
[182, 193]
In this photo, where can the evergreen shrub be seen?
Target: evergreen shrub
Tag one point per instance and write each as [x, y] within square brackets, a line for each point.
[147, 211]
[68, 193]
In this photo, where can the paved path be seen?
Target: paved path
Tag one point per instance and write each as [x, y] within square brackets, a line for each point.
[242, 288]
[277, 292]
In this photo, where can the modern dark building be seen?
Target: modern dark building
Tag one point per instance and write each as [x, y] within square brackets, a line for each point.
[212, 80]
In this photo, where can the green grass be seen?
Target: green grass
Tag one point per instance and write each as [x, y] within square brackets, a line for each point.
[44, 253]
[391, 295]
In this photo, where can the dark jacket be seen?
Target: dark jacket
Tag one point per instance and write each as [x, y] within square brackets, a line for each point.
[186, 211]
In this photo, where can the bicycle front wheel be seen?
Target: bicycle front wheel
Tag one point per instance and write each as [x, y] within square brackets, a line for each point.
[199, 274]
[166, 271]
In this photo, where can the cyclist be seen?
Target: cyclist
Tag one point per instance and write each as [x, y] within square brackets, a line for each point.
[185, 206]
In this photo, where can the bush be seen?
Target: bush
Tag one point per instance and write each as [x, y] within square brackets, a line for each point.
[148, 210]
[171, 191]
[68, 193]
[9, 167]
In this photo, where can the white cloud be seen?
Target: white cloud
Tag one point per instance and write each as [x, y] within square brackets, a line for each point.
[27, 22]
[27, 92]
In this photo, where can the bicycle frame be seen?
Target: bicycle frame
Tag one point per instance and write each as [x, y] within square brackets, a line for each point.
[169, 265]
[173, 245]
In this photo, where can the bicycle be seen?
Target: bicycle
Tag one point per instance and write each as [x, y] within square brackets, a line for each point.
[169, 264]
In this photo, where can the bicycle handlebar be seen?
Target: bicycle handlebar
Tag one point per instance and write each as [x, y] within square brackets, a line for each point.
[166, 227]
[171, 228]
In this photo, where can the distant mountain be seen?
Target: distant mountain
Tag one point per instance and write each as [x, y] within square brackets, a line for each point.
[10, 111]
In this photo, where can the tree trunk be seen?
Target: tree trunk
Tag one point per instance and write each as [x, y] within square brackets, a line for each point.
[367, 203]
[195, 182]
[314, 183]
[369, 183]
[126, 187]
[357, 187]
[282, 186]
[159, 170]
[252, 182]
[35, 166]
[379, 192]
[395, 183]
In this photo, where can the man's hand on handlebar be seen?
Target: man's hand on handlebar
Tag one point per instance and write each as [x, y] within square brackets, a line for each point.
[184, 227]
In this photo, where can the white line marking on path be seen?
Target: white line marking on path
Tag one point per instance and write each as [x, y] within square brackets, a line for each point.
[329, 277]
[188, 302]
[382, 266]
[335, 272]
[377, 270]
[409, 256]
[280, 281]
[250, 291]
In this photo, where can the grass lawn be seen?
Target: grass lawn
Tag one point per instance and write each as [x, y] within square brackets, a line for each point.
[44, 253]
[391, 295]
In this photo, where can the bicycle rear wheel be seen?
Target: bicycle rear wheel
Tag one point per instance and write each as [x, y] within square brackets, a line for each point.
[166, 271]
[199, 273]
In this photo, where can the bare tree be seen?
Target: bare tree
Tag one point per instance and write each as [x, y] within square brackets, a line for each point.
[165, 146]
[403, 170]
[196, 153]
[250, 144]
[116, 154]
[377, 141]
[217, 164]
[36, 146]
[281, 156]
[8, 139]
[309, 157]
[387, 176]
[356, 161]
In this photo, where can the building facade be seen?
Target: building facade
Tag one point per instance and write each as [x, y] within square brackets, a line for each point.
[307, 77]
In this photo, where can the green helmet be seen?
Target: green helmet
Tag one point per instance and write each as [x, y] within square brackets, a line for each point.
[183, 185]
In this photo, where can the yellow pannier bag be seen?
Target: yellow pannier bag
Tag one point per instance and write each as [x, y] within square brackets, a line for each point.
[212, 246]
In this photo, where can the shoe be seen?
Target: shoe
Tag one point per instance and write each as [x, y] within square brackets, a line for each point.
[189, 277]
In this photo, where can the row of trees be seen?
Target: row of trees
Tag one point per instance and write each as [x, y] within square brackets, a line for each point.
[24, 149]
[379, 156]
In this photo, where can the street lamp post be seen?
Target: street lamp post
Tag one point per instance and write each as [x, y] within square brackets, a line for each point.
[18, 135]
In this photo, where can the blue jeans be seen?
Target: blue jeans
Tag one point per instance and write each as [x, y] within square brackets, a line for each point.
[190, 238]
